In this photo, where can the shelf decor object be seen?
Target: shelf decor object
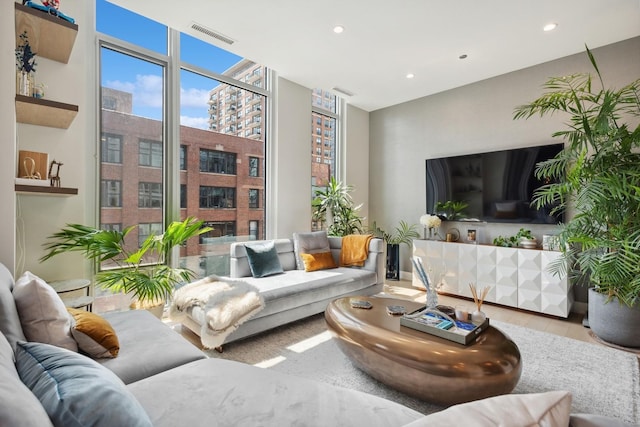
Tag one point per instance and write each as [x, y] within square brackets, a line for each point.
[25, 66]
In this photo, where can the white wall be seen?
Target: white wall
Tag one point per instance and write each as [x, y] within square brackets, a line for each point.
[7, 135]
[356, 155]
[474, 118]
[291, 178]
[39, 216]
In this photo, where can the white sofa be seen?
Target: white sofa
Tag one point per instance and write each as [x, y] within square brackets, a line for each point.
[296, 293]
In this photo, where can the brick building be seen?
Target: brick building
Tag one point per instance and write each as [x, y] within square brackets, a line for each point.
[221, 177]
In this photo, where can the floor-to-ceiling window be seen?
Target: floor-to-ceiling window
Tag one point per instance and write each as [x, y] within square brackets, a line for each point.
[324, 138]
[211, 167]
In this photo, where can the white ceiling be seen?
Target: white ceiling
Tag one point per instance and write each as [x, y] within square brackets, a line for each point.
[385, 40]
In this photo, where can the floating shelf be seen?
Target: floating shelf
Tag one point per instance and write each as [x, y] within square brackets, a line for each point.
[44, 112]
[49, 36]
[46, 191]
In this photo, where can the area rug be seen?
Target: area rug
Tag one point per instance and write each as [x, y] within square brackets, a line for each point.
[602, 380]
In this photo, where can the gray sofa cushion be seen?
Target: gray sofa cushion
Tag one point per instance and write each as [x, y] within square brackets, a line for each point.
[20, 407]
[298, 288]
[309, 243]
[9, 319]
[240, 264]
[236, 394]
[140, 356]
[75, 390]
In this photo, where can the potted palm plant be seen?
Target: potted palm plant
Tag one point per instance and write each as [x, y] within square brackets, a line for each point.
[334, 206]
[598, 173]
[143, 273]
[404, 233]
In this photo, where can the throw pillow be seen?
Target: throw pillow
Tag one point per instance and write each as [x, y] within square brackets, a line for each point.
[75, 390]
[319, 261]
[536, 409]
[43, 315]
[263, 259]
[19, 408]
[94, 334]
[309, 243]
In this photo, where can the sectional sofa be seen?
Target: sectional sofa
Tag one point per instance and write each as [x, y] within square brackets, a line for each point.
[159, 379]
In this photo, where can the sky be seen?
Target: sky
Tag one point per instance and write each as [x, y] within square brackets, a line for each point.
[143, 79]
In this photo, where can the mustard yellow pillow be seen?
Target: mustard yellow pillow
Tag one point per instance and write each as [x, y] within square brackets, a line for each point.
[94, 334]
[318, 261]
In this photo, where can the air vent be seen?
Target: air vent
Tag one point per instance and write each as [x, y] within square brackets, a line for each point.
[212, 33]
[343, 91]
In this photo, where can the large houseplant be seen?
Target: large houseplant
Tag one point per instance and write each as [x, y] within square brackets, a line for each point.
[145, 272]
[335, 207]
[598, 173]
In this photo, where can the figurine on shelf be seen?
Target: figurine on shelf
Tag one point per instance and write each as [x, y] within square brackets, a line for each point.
[55, 179]
[52, 3]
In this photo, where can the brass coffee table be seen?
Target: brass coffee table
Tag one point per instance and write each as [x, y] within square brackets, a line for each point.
[419, 364]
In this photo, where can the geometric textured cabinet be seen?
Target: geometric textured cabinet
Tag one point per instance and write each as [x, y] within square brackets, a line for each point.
[516, 277]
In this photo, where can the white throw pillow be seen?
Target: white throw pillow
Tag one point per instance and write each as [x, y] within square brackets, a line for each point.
[550, 409]
[43, 315]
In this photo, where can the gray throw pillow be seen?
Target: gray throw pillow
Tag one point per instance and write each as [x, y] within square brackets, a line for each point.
[309, 243]
[263, 259]
[19, 408]
[75, 390]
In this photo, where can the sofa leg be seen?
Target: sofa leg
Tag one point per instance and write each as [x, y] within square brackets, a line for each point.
[218, 349]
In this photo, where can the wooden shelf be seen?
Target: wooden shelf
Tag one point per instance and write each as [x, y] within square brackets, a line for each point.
[44, 112]
[49, 36]
[46, 191]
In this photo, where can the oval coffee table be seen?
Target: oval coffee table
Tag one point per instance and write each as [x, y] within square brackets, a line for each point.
[420, 364]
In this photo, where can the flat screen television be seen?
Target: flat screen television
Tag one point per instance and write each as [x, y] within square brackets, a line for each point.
[498, 186]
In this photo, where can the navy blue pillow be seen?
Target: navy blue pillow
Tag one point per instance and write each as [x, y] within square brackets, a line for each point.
[75, 390]
[263, 259]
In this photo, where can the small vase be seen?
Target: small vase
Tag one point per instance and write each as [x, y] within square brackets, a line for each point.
[478, 316]
[24, 83]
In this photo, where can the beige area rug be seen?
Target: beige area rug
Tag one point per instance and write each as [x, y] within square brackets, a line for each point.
[602, 380]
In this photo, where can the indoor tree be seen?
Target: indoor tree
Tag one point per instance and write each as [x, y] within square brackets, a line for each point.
[598, 173]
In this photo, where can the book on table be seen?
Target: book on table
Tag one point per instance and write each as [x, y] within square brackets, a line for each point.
[457, 331]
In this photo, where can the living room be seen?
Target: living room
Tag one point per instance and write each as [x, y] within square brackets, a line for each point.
[384, 150]
[389, 182]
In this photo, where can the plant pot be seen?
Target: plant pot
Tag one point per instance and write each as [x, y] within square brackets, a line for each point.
[156, 309]
[613, 322]
[393, 262]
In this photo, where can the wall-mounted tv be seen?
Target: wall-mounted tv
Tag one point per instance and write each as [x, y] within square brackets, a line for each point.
[498, 186]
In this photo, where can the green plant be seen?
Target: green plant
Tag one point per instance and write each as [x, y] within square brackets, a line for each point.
[404, 233]
[511, 241]
[451, 209]
[335, 207]
[142, 272]
[25, 57]
[598, 173]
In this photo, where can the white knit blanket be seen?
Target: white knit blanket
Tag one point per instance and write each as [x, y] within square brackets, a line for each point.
[226, 304]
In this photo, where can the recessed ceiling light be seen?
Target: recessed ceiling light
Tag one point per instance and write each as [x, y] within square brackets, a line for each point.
[338, 29]
[410, 75]
[550, 27]
[463, 56]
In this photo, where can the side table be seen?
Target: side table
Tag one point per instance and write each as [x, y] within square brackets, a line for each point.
[63, 287]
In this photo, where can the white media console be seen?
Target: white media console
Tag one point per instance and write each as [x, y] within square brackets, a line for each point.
[517, 277]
